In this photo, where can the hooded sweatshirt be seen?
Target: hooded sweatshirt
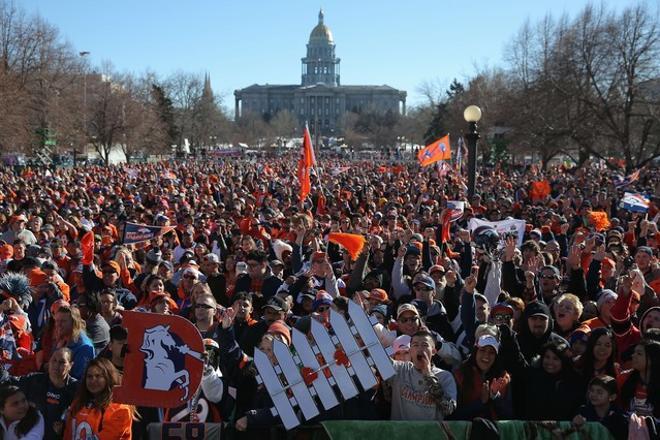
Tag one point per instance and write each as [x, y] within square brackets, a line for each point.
[530, 345]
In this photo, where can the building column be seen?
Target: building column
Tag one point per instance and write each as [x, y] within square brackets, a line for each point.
[403, 101]
[236, 108]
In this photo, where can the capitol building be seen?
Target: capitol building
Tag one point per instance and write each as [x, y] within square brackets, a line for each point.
[320, 99]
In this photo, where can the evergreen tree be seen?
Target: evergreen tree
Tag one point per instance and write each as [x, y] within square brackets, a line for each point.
[165, 111]
[438, 126]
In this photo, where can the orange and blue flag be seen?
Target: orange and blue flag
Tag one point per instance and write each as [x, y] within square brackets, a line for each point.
[438, 150]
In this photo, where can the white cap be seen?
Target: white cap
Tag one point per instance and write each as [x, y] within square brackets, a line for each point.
[190, 270]
[402, 343]
[488, 341]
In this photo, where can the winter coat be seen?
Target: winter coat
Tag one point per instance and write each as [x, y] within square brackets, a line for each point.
[550, 397]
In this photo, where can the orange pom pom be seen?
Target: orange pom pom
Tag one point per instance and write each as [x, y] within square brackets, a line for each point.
[599, 220]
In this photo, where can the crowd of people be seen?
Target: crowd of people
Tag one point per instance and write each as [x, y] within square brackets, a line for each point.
[564, 327]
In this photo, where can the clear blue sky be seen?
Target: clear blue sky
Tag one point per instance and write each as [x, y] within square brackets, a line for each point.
[240, 42]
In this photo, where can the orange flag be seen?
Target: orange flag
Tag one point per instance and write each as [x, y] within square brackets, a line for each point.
[305, 164]
[445, 220]
[87, 247]
[353, 243]
[438, 150]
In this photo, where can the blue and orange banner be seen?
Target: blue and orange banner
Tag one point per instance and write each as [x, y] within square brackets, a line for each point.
[137, 233]
[433, 152]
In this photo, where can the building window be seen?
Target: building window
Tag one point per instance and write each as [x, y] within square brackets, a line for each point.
[311, 110]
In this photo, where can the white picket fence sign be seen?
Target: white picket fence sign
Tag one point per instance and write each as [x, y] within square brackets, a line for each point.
[356, 339]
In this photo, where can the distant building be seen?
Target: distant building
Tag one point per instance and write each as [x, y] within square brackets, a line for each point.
[320, 100]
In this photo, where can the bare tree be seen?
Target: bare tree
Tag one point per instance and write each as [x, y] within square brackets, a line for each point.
[185, 91]
[143, 132]
[586, 85]
[284, 124]
[251, 129]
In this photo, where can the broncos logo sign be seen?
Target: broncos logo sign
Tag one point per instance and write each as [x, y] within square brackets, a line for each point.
[163, 364]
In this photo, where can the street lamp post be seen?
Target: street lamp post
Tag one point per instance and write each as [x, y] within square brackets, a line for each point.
[472, 114]
[83, 54]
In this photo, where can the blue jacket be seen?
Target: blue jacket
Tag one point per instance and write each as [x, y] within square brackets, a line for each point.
[83, 352]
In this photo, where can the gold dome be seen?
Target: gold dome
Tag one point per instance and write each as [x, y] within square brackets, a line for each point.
[321, 31]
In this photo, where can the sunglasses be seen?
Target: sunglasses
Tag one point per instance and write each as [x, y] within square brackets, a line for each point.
[409, 320]
[323, 309]
[204, 306]
[424, 288]
[502, 318]
[109, 272]
[190, 277]
[547, 277]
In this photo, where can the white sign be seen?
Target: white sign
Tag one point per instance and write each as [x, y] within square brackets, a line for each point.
[503, 227]
[348, 356]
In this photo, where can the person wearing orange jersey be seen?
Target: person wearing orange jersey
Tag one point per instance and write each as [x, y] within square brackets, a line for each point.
[93, 414]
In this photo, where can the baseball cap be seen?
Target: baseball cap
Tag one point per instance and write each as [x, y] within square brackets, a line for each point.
[187, 256]
[406, 308]
[113, 265]
[413, 250]
[167, 265]
[645, 249]
[275, 303]
[323, 298]
[401, 344]
[212, 258]
[379, 295]
[536, 308]
[502, 309]
[605, 295]
[488, 341]
[436, 268]
[190, 271]
[425, 280]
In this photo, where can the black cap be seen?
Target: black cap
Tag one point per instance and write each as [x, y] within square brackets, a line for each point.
[536, 308]
[186, 257]
[276, 303]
